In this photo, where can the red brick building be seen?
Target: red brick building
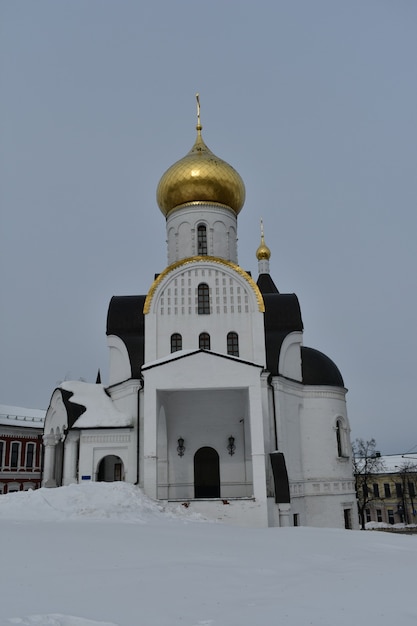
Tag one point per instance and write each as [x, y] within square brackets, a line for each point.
[20, 448]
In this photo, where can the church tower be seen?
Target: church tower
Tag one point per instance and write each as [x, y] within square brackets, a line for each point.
[212, 402]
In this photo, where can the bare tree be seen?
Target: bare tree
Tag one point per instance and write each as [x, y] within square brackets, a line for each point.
[367, 462]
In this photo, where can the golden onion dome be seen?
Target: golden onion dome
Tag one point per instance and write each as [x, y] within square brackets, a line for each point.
[200, 176]
[263, 252]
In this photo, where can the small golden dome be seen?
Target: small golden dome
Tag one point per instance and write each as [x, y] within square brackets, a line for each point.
[263, 252]
[200, 176]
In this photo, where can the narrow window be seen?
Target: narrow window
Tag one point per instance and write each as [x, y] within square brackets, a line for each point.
[204, 341]
[203, 299]
[379, 515]
[387, 490]
[2, 448]
[14, 456]
[233, 344]
[176, 342]
[399, 490]
[202, 240]
[411, 490]
[296, 519]
[368, 515]
[339, 438]
[376, 490]
[30, 455]
[391, 516]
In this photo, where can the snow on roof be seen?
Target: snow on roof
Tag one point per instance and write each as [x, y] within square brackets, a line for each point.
[100, 411]
[19, 416]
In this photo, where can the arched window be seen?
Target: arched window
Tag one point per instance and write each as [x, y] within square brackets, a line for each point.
[176, 342]
[341, 439]
[30, 455]
[203, 299]
[233, 344]
[204, 341]
[202, 240]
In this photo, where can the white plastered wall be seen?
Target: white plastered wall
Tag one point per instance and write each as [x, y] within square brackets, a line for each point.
[234, 307]
[221, 227]
[119, 362]
[176, 391]
[328, 477]
[95, 444]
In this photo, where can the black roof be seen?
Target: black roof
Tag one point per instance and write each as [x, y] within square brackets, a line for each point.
[282, 317]
[73, 410]
[318, 369]
[126, 320]
[266, 284]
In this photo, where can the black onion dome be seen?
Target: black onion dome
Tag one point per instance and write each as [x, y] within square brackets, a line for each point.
[318, 369]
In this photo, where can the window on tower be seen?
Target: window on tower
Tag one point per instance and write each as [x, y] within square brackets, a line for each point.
[176, 342]
[202, 240]
[233, 344]
[339, 438]
[203, 299]
[204, 341]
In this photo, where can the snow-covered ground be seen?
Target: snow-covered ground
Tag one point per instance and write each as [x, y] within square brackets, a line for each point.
[103, 554]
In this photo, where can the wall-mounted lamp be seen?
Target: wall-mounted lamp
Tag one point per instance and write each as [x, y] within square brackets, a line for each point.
[231, 447]
[180, 447]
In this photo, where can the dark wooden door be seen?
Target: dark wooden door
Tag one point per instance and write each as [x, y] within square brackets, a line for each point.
[206, 473]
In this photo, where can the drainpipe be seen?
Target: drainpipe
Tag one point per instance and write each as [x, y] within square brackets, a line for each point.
[141, 385]
[274, 411]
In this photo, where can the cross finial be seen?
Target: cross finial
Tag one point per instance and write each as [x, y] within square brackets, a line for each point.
[197, 97]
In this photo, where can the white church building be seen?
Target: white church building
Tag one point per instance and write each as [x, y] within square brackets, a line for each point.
[213, 403]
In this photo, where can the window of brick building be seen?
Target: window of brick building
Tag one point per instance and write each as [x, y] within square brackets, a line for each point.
[14, 455]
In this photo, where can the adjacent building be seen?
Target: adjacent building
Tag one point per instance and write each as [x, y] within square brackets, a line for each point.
[20, 448]
[213, 402]
[391, 491]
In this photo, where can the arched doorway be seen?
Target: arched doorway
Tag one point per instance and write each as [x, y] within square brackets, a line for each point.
[110, 469]
[206, 473]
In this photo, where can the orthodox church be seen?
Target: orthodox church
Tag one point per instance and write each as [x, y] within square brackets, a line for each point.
[213, 403]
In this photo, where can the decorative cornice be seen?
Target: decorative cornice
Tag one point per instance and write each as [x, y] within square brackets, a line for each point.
[203, 259]
[199, 203]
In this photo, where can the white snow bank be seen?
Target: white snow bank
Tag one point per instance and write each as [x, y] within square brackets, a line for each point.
[64, 566]
[87, 501]
[100, 411]
[384, 525]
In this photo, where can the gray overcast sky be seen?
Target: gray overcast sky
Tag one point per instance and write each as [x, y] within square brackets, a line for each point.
[314, 103]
